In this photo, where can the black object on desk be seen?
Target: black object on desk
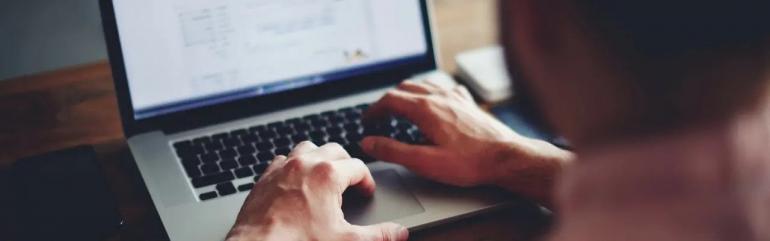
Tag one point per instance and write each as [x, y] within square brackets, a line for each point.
[515, 116]
[63, 195]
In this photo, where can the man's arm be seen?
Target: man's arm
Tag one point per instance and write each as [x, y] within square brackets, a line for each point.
[468, 147]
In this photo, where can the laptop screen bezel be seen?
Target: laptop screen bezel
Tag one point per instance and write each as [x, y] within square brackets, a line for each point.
[218, 113]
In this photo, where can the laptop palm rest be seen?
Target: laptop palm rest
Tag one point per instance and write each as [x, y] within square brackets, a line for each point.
[392, 200]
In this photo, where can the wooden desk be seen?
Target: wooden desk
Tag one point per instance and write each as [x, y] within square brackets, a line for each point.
[75, 106]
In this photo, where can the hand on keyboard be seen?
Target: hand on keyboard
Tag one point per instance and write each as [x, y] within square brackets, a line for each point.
[469, 147]
[299, 198]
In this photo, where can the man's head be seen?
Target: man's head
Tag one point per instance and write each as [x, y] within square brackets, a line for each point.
[600, 69]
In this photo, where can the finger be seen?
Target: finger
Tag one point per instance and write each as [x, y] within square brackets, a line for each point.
[302, 147]
[463, 91]
[396, 102]
[354, 173]
[412, 156]
[328, 152]
[276, 163]
[439, 86]
[417, 88]
[382, 232]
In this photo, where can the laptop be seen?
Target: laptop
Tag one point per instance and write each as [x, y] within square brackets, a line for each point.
[211, 90]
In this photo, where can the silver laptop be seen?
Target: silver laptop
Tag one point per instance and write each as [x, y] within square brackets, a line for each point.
[211, 90]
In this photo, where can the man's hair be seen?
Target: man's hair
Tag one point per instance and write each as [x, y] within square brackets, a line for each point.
[664, 28]
[673, 45]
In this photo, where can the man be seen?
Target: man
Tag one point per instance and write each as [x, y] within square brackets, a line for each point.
[665, 103]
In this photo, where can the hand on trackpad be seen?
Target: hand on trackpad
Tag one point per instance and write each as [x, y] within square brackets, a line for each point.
[392, 200]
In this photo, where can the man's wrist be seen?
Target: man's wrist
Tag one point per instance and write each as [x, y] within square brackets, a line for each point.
[529, 167]
[264, 232]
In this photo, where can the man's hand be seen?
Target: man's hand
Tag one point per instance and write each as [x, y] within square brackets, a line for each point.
[469, 147]
[300, 198]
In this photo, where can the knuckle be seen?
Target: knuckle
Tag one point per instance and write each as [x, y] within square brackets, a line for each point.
[324, 169]
[295, 164]
[424, 102]
[336, 148]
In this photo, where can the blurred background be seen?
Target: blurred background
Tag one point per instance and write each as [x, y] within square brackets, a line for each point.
[43, 35]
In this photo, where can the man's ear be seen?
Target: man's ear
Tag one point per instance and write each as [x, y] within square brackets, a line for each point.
[533, 24]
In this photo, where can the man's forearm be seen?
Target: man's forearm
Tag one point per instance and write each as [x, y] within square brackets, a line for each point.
[531, 169]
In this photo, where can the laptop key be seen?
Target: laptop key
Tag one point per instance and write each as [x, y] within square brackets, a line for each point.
[354, 137]
[228, 153]
[302, 127]
[246, 187]
[226, 188]
[353, 116]
[327, 114]
[261, 167]
[353, 127]
[267, 134]
[249, 138]
[404, 137]
[239, 132]
[265, 156]
[182, 144]
[246, 160]
[220, 136]
[355, 151]
[317, 135]
[243, 172]
[210, 168]
[334, 131]
[231, 141]
[338, 140]
[337, 119]
[214, 146]
[282, 151]
[210, 157]
[246, 150]
[192, 171]
[192, 150]
[282, 142]
[257, 129]
[208, 196]
[276, 125]
[318, 124]
[300, 138]
[228, 164]
[212, 179]
[200, 141]
[265, 146]
[294, 121]
[285, 131]
[312, 117]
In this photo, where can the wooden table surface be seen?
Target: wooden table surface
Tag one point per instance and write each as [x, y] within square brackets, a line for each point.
[76, 106]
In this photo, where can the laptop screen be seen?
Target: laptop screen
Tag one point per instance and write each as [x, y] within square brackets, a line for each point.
[186, 54]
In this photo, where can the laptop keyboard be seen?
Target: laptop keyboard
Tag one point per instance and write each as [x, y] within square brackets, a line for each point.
[219, 159]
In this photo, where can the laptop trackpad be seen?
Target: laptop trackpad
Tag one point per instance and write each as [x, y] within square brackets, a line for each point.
[392, 200]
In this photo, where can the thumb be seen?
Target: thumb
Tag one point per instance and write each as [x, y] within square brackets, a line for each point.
[383, 232]
[391, 150]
